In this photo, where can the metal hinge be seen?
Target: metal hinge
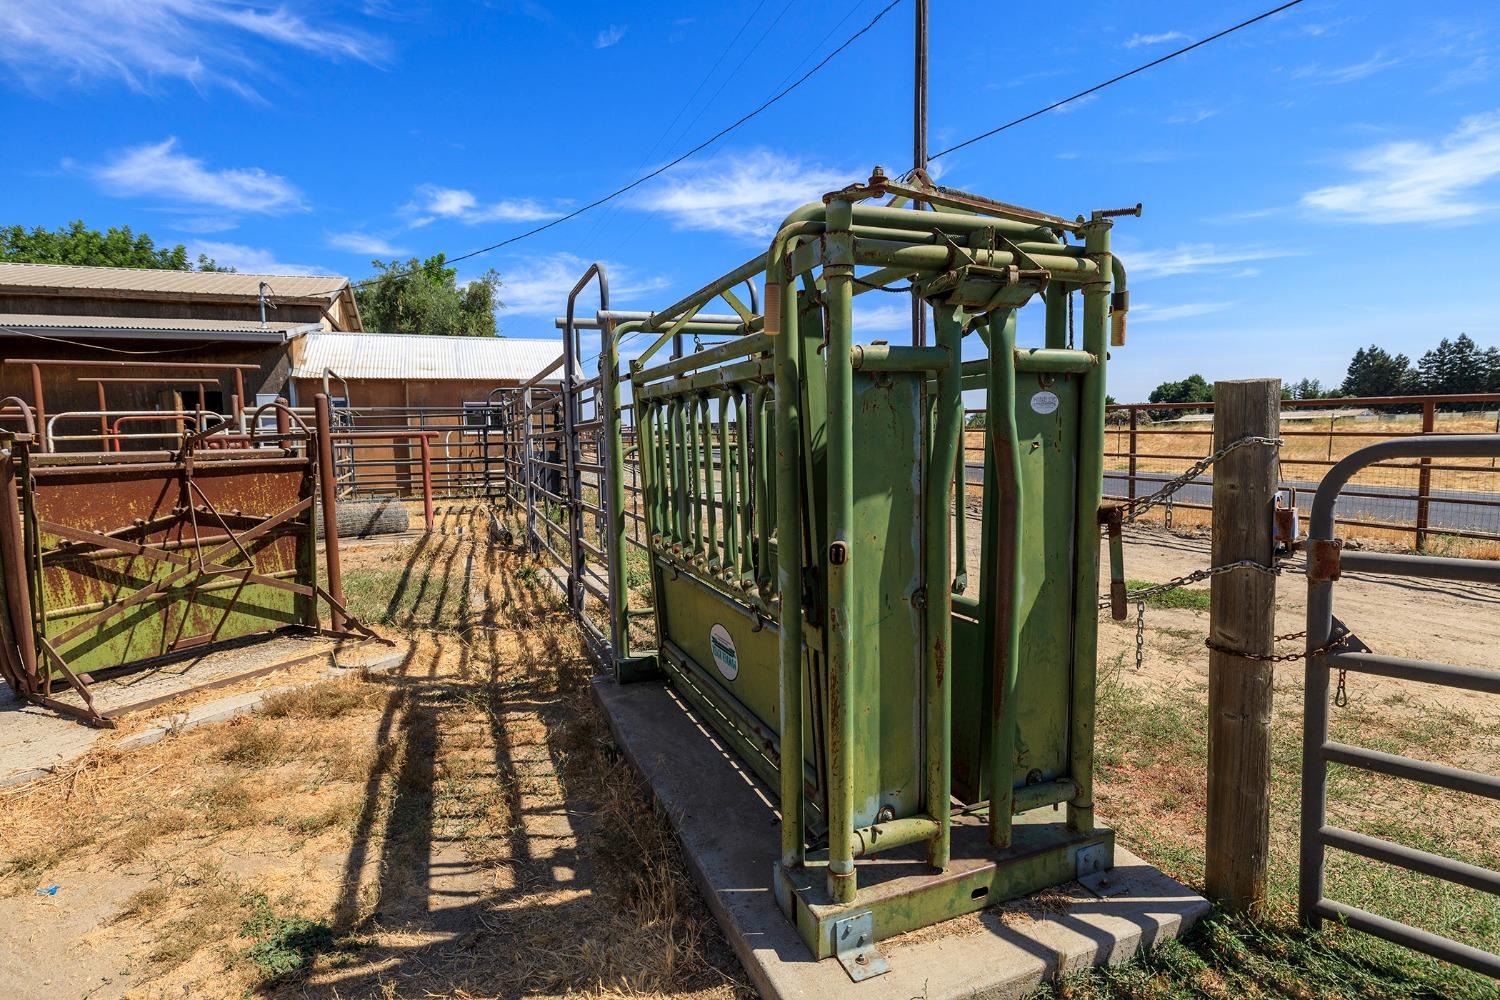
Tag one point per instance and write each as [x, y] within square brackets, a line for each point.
[1323, 559]
[854, 946]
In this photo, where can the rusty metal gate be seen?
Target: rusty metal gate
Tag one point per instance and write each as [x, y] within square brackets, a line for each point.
[1326, 560]
[111, 559]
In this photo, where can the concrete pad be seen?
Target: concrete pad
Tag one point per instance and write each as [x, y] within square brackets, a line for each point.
[728, 828]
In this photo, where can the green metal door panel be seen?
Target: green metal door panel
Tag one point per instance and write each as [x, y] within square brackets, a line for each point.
[885, 550]
[1049, 441]
[1049, 446]
[693, 617]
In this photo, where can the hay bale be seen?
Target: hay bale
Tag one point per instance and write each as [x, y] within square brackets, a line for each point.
[364, 518]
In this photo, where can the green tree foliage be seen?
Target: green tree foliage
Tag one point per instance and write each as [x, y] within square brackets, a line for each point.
[424, 297]
[1374, 371]
[1309, 388]
[78, 244]
[1455, 366]
[1193, 389]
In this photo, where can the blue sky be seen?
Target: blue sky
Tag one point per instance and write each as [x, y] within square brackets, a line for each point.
[1325, 179]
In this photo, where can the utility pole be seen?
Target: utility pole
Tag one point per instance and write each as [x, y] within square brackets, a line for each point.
[919, 154]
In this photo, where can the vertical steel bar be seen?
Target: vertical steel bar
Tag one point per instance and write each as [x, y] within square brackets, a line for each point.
[613, 484]
[727, 477]
[13, 553]
[1086, 531]
[711, 489]
[789, 569]
[742, 429]
[570, 441]
[838, 274]
[328, 490]
[1424, 477]
[426, 483]
[937, 689]
[40, 405]
[1000, 422]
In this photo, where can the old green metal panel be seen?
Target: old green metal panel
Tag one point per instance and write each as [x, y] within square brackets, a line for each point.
[886, 552]
[1049, 435]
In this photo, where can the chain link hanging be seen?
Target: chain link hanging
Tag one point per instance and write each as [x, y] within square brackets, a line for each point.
[1133, 509]
[1140, 633]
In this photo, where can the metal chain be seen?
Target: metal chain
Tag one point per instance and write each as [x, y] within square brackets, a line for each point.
[1140, 633]
[1135, 508]
[1197, 575]
[1327, 647]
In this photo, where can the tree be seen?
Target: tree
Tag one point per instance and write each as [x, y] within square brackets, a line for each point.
[1193, 389]
[1376, 372]
[1307, 388]
[78, 244]
[424, 297]
[1454, 366]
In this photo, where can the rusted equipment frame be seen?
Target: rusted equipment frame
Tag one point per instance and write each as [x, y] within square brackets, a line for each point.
[193, 544]
[1326, 562]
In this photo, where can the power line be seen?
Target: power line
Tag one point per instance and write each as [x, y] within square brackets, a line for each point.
[1100, 86]
[667, 166]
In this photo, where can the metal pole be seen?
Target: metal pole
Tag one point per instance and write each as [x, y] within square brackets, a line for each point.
[838, 272]
[41, 407]
[426, 482]
[1005, 657]
[328, 489]
[1424, 477]
[788, 563]
[919, 154]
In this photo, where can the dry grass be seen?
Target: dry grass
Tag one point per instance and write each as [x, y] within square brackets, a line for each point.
[461, 828]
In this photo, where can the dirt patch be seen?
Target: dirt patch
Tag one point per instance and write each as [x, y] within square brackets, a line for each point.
[460, 827]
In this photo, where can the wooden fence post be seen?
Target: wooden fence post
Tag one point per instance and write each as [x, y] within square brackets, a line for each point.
[1242, 618]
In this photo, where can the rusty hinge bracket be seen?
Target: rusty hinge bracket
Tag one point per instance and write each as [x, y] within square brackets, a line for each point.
[854, 946]
[1323, 559]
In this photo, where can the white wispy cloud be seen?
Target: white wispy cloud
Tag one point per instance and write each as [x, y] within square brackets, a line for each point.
[1316, 73]
[251, 260]
[610, 36]
[539, 286]
[1137, 40]
[1419, 181]
[435, 201]
[886, 317]
[1188, 258]
[360, 242]
[1191, 116]
[1148, 313]
[161, 170]
[745, 194]
[204, 42]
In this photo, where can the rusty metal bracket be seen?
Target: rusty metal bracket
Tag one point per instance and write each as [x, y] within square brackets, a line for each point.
[1323, 559]
[854, 946]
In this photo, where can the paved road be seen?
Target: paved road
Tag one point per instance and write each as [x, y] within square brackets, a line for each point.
[1394, 504]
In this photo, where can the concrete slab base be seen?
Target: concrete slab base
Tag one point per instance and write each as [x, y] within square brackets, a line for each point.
[728, 828]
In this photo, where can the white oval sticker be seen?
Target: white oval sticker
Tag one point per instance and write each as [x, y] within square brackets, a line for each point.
[721, 644]
[1044, 402]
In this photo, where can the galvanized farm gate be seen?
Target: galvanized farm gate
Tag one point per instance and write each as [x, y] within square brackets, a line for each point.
[1327, 559]
[111, 559]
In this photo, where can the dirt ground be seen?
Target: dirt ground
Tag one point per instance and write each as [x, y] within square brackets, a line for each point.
[462, 827]
[459, 827]
[1455, 623]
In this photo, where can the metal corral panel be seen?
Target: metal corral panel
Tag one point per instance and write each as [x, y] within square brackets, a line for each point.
[415, 356]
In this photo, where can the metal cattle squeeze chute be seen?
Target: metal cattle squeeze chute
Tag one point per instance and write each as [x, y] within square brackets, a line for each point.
[112, 560]
[930, 736]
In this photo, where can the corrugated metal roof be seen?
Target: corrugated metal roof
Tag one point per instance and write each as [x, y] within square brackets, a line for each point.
[118, 327]
[414, 356]
[72, 279]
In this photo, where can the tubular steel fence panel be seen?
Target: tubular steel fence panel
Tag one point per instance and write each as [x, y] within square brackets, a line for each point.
[1326, 561]
[1423, 497]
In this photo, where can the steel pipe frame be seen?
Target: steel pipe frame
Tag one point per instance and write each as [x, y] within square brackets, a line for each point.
[1318, 751]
